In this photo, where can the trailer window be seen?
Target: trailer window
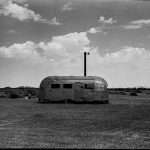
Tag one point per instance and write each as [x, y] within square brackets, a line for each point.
[55, 86]
[89, 86]
[67, 86]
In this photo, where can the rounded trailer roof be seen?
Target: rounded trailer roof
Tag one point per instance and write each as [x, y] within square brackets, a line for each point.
[72, 79]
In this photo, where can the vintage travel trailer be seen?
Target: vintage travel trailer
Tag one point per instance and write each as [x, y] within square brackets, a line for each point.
[77, 89]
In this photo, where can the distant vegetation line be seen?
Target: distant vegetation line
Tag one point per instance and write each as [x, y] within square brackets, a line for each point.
[19, 92]
[31, 92]
[134, 88]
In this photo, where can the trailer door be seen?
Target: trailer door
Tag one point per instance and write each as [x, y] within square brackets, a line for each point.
[55, 93]
[89, 91]
[78, 91]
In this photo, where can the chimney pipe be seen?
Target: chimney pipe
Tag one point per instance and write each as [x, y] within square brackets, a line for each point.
[85, 54]
[85, 64]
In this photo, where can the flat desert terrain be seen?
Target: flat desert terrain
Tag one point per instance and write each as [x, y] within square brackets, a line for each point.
[124, 123]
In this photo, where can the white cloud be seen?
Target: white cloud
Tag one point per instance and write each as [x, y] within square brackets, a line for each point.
[22, 13]
[20, 1]
[59, 48]
[73, 40]
[132, 26]
[94, 30]
[11, 31]
[137, 24]
[16, 11]
[67, 6]
[127, 55]
[106, 21]
[63, 55]
[141, 22]
[21, 51]
[127, 67]
[54, 21]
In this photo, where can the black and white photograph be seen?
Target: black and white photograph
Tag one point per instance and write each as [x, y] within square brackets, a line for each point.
[75, 74]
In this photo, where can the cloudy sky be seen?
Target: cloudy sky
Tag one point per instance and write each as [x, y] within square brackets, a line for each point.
[39, 38]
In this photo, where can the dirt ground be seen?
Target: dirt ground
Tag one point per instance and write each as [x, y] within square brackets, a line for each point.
[124, 123]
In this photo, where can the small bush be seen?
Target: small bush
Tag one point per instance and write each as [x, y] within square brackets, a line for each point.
[13, 95]
[3, 96]
[122, 93]
[138, 91]
[133, 94]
